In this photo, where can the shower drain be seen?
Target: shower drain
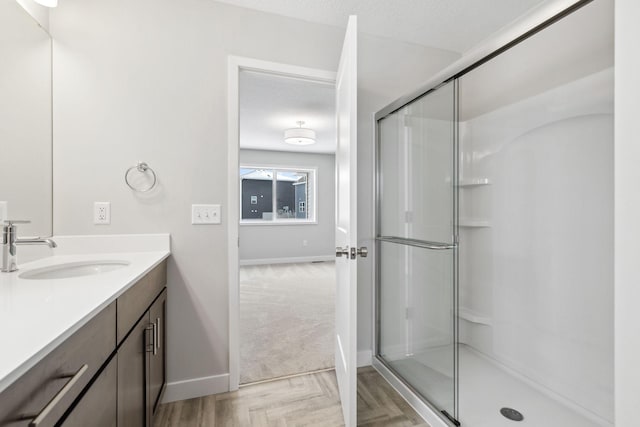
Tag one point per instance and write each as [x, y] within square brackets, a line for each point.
[512, 414]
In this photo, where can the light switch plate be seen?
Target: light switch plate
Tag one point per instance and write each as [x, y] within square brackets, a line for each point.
[205, 214]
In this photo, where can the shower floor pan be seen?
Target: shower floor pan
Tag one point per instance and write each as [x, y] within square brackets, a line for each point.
[485, 389]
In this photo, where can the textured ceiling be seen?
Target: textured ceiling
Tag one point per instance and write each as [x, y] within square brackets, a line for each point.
[455, 25]
[270, 104]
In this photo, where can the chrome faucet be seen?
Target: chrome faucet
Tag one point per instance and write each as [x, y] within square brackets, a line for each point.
[10, 241]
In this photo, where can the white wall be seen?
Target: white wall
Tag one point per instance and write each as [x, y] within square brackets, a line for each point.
[543, 271]
[627, 212]
[260, 243]
[146, 80]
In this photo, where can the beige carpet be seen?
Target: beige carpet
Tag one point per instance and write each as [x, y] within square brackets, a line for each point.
[287, 316]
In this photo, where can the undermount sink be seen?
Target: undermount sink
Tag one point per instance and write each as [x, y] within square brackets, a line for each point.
[73, 269]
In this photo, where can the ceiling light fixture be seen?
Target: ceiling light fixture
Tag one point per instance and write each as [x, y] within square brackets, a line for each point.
[300, 135]
[47, 3]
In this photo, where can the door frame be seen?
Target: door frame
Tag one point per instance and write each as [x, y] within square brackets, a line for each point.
[235, 64]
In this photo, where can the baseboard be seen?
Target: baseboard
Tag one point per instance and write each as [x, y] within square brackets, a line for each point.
[364, 358]
[289, 260]
[196, 387]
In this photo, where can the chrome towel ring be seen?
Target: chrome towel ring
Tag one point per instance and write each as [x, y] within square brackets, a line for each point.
[142, 168]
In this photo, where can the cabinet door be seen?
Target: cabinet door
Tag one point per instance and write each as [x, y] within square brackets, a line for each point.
[132, 376]
[98, 406]
[157, 361]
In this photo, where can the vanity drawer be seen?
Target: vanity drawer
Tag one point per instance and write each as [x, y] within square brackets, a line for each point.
[48, 389]
[98, 406]
[135, 302]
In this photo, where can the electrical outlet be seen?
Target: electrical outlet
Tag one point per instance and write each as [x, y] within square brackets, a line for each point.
[102, 213]
[205, 214]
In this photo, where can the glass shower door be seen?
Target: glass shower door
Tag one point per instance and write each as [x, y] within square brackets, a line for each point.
[416, 262]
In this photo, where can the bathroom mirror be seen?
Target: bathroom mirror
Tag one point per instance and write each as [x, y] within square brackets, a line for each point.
[25, 121]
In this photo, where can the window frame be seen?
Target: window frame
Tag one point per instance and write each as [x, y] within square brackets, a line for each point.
[313, 173]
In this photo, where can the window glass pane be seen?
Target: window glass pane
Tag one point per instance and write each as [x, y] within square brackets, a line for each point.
[257, 194]
[292, 195]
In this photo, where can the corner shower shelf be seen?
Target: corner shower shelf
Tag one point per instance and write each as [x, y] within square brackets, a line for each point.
[473, 223]
[473, 182]
[474, 317]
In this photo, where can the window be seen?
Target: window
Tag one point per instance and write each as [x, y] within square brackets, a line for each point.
[277, 195]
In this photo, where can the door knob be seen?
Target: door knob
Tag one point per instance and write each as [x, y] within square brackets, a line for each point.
[354, 252]
[342, 251]
[363, 252]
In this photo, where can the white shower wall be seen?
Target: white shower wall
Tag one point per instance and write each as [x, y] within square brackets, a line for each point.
[536, 282]
[541, 273]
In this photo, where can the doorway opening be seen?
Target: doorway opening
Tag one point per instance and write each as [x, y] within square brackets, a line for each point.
[285, 204]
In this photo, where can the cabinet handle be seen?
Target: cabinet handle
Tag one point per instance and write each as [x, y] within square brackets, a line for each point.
[157, 333]
[58, 397]
[151, 347]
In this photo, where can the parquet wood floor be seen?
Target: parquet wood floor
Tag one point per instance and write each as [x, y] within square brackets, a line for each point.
[309, 400]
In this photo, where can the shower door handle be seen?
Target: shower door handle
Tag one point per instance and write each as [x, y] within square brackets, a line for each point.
[342, 251]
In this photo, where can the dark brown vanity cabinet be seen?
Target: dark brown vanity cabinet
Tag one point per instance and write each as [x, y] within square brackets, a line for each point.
[109, 373]
[141, 351]
[132, 355]
[141, 367]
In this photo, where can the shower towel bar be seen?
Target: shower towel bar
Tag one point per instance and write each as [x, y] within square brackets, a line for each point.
[418, 243]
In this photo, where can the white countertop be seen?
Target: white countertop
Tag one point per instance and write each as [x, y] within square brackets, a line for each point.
[37, 315]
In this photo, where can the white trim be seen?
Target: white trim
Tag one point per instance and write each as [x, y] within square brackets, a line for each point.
[234, 65]
[289, 260]
[281, 69]
[428, 414]
[196, 387]
[364, 358]
[233, 215]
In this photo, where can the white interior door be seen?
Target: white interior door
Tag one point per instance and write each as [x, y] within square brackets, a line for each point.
[346, 223]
